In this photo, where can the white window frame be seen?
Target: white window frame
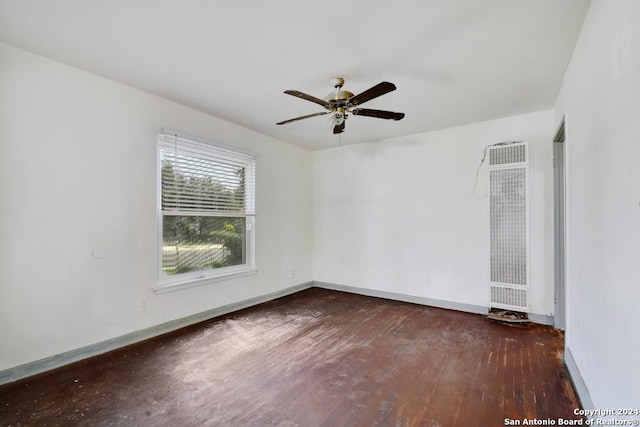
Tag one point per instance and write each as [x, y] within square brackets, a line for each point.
[167, 283]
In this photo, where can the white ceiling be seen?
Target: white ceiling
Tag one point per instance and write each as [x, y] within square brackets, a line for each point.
[453, 61]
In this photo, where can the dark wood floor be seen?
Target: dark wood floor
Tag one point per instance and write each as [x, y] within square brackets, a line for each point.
[316, 358]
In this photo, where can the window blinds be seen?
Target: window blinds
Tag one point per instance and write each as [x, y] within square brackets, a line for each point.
[205, 179]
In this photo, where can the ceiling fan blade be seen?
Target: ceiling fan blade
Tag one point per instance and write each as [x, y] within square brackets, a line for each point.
[374, 92]
[303, 117]
[338, 128]
[380, 114]
[302, 95]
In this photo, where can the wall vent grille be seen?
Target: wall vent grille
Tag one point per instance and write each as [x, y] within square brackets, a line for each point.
[509, 228]
[508, 214]
[509, 154]
[509, 297]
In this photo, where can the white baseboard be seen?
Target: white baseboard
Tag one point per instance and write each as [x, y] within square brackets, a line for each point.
[59, 360]
[469, 308]
[542, 319]
[578, 381]
[432, 302]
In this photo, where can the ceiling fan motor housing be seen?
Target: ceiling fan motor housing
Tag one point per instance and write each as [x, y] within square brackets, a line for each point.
[339, 97]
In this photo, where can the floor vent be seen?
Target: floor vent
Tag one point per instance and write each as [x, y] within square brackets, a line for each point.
[509, 227]
[508, 316]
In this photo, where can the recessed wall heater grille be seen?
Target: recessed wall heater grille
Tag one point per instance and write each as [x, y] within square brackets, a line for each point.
[509, 226]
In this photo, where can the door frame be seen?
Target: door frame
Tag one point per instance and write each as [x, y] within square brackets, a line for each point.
[559, 234]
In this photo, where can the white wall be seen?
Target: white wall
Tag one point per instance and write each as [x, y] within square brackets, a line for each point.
[601, 99]
[389, 214]
[78, 210]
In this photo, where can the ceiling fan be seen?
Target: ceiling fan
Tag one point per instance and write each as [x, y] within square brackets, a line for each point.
[341, 102]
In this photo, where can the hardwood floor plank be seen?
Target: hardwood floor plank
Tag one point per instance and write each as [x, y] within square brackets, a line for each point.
[315, 358]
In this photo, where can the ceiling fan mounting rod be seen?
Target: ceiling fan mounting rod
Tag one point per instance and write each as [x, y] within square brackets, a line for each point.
[337, 82]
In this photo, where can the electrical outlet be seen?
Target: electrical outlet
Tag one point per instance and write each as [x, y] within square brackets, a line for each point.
[427, 281]
[292, 274]
[143, 306]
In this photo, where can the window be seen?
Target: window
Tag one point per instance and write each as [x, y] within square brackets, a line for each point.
[206, 198]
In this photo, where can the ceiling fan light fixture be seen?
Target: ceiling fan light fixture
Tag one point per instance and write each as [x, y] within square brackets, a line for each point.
[340, 102]
[335, 118]
[338, 117]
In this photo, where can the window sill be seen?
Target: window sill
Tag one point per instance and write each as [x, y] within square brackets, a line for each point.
[200, 281]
